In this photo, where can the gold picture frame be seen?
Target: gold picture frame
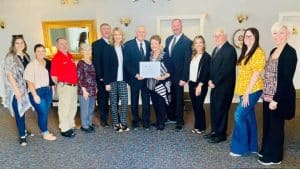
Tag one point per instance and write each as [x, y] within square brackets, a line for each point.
[54, 29]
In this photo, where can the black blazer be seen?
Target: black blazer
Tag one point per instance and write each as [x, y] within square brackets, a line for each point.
[97, 53]
[179, 58]
[285, 94]
[111, 64]
[203, 69]
[222, 68]
[133, 59]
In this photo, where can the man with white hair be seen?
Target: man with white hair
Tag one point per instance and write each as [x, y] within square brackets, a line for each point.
[137, 50]
[222, 82]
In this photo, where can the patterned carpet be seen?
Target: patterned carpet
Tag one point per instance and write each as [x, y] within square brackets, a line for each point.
[131, 150]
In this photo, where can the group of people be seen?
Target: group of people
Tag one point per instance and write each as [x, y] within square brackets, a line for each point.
[110, 64]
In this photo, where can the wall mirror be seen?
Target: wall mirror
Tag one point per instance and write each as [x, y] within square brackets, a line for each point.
[77, 32]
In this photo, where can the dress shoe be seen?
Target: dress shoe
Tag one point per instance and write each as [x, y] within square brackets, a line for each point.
[160, 127]
[197, 131]
[125, 128]
[217, 139]
[118, 128]
[104, 124]
[146, 127]
[28, 133]
[22, 141]
[209, 135]
[86, 130]
[70, 133]
[178, 128]
[92, 128]
[168, 121]
[135, 125]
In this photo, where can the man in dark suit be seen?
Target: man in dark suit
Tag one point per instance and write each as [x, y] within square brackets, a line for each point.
[222, 82]
[137, 50]
[178, 47]
[97, 53]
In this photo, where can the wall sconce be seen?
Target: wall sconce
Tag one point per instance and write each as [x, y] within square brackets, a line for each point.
[296, 31]
[125, 21]
[2, 24]
[151, 0]
[69, 2]
[242, 17]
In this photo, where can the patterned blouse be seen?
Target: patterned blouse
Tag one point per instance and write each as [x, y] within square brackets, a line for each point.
[15, 66]
[161, 87]
[270, 78]
[86, 78]
[245, 72]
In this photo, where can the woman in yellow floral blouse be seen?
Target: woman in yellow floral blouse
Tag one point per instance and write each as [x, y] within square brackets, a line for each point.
[249, 88]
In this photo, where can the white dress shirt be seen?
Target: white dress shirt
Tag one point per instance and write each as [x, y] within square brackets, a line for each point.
[119, 52]
[143, 45]
[177, 38]
[194, 65]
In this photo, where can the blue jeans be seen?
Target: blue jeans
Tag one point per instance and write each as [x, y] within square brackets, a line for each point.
[19, 120]
[42, 109]
[244, 137]
[87, 110]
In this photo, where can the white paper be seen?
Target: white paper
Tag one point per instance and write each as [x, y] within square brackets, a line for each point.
[149, 69]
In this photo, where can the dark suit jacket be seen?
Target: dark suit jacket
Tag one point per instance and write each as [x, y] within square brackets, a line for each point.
[111, 64]
[222, 69]
[97, 53]
[132, 60]
[285, 94]
[203, 69]
[179, 58]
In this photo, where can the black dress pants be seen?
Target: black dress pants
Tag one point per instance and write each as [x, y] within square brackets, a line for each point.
[273, 135]
[220, 103]
[102, 99]
[135, 93]
[175, 110]
[197, 103]
[160, 108]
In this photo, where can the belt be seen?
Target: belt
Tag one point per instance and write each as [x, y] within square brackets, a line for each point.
[69, 84]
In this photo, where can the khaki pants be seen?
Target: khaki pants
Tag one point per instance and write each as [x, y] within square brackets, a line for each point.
[67, 106]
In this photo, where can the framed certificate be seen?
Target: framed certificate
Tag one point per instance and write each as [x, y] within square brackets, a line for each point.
[149, 69]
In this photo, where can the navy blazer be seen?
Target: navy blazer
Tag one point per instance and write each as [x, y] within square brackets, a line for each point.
[179, 58]
[203, 69]
[222, 68]
[111, 64]
[133, 59]
[97, 59]
[285, 94]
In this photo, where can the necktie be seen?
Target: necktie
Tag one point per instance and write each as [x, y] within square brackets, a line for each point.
[173, 44]
[142, 50]
[215, 52]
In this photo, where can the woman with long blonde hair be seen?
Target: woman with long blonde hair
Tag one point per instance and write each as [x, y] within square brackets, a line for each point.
[198, 74]
[115, 78]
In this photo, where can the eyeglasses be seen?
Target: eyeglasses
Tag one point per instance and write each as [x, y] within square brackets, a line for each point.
[17, 36]
[248, 36]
